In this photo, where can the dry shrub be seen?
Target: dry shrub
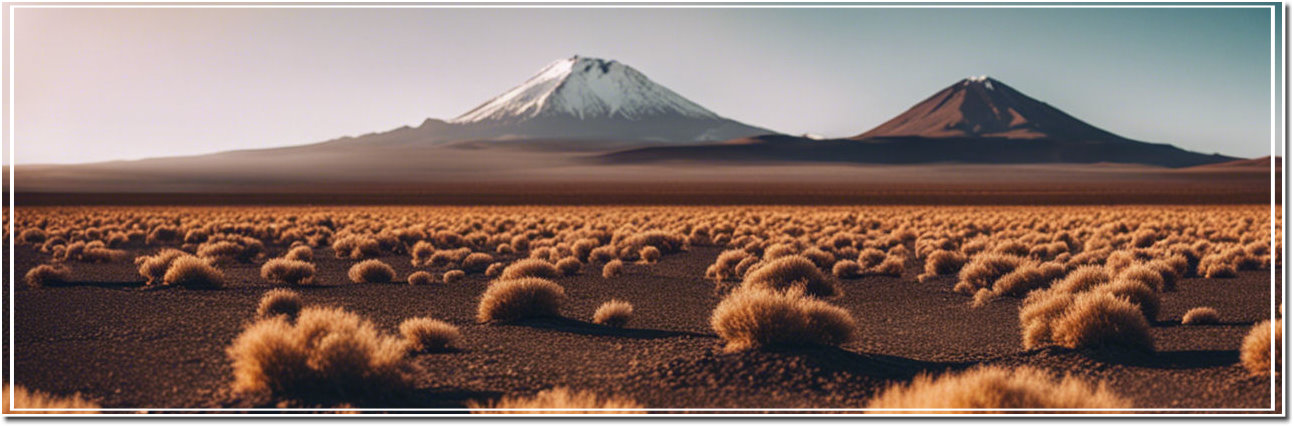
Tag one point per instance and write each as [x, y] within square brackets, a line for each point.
[520, 298]
[32, 236]
[602, 254]
[1099, 320]
[421, 278]
[1146, 274]
[985, 269]
[279, 302]
[614, 313]
[1082, 279]
[791, 272]
[649, 254]
[193, 272]
[569, 266]
[986, 388]
[453, 276]
[892, 266]
[371, 271]
[846, 269]
[495, 269]
[328, 354]
[759, 317]
[1217, 266]
[421, 252]
[944, 262]
[423, 334]
[823, 259]
[560, 400]
[1137, 292]
[43, 403]
[871, 257]
[1256, 350]
[1202, 315]
[1027, 278]
[154, 267]
[534, 268]
[613, 269]
[48, 275]
[300, 253]
[295, 272]
[476, 262]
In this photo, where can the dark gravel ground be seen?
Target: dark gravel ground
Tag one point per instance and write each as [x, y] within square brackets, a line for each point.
[125, 346]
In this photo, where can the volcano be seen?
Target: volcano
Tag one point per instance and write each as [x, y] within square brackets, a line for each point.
[982, 107]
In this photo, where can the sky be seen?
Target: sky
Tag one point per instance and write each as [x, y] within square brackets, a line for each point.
[98, 84]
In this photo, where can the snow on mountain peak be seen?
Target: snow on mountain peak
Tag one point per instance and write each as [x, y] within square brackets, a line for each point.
[583, 87]
[981, 79]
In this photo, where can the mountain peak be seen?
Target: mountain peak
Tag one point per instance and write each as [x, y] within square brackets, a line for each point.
[583, 87]
[985, 107]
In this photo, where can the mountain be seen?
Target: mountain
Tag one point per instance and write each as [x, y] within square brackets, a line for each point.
[977, 120]
[577, 100]
[983, 107]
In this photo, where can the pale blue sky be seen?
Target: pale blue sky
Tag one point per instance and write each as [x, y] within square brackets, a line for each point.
[102, 84]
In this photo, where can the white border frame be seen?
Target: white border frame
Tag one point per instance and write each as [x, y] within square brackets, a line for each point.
[10, 9]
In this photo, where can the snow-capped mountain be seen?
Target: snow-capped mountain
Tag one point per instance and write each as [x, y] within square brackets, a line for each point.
[583, 99]
[984, 107]
[586, 88]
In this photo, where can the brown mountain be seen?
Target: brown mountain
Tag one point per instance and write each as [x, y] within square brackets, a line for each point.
[975, 121]
[987, 108]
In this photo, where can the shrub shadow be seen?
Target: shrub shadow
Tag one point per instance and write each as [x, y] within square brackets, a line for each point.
[575, 326]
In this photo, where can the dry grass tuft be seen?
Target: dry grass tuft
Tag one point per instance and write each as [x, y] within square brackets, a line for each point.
[453, 276]
[1201, 316]
[279, 302]
[371, 271]
[1256, 350]
[328, 354]
[421, 278]
[193, 272]
[154, 267]
[560, 400]
[287, 271]
[1100, 320]
[476, 262]
[569, 266]
[758, 317]
[791, 272]
[613, 269]
[301, 253]
[48, 275]
[515, 299]
[614, 313]
[423, 334]
[44, 403]
[983, 389]
[495, 269]
[534, 268]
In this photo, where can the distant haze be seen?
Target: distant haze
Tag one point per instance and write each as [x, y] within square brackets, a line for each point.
[97, 84]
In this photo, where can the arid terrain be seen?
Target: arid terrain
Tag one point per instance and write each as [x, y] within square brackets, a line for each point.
[1052, 308]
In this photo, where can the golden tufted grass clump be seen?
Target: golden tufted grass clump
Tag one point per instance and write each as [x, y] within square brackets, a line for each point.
[521, 298]
[988, 389]
[791, 271]
[759, 317]
[327, 355]
[193, 272]
[47, 275]
[37, 402]
[287, 271]
[422, 334]
[279, 302]
[371, 271]
[1256, 350]
[560, 400]
[614, 313]
[1202, 315]
[533, 268]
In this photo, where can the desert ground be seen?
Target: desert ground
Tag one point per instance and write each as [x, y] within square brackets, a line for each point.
[733, 307]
